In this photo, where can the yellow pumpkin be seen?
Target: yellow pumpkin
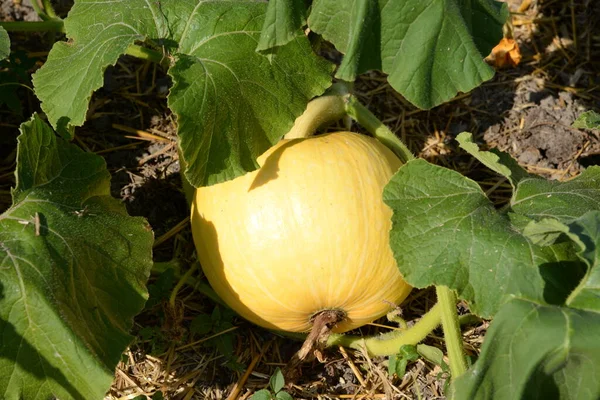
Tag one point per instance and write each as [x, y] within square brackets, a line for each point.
[307, 231]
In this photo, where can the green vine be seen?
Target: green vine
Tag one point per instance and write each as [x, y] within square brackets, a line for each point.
[390, 343]
[452, 334]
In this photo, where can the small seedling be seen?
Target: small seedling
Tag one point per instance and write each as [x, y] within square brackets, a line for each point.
[276, 384]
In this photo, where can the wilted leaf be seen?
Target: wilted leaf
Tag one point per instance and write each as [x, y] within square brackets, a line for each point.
[505, 54]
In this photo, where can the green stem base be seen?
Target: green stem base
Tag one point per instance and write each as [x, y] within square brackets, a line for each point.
[452, 333]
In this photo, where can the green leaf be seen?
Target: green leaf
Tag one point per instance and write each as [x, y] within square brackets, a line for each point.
[283, 396]
[283, 21]
[397, 362]
[201, 324]
[587, 120]
[233, 103]
[158, 396]
[161, 288]
[99, 31]
[263, 394]
[277, 382]
[533, 351]
[4, 44]
[432, 354]
[539, 198]
[430, 50]
[397, 366]
[446, 232]
[409, 352]
[585, 231]
[354, 27]
[545, 232]
[499, 162]
[73, 271]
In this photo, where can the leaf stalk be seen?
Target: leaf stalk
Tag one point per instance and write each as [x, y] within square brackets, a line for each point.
[196, 284]
[371, 123]
[49, 25]
[145, 53]
[452, 333]
[48, 8]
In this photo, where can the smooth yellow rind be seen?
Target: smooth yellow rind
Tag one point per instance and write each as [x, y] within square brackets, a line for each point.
[307, 231]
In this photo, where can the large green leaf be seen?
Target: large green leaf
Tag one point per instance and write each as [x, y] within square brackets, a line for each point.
[99, 31]
[4, 44]
[533, 351]
[231, 102]
[430, 49]
[73, 268]
[540, 198]
[585, 231]
[446, 232]
[283, 20]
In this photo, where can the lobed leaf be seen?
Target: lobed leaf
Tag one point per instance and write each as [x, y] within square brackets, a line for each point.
[231, 102]
[99, 31]
[73, 268]
[539, 198]
[585, 231]
[283, 20]
[532, 351]
[431, 50]
[446, 232]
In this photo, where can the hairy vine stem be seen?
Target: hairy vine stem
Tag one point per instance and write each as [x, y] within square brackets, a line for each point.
[452, 334]
[390, 343]
[371, 123]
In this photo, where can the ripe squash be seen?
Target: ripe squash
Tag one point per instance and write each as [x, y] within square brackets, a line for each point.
[306, 232]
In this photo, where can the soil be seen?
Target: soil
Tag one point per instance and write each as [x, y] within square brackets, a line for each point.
[526, 111]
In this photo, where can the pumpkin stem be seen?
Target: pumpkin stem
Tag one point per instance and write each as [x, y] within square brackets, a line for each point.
[320, 111]
[323, 322]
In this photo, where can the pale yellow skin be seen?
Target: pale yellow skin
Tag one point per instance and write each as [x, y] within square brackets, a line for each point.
[307, 231]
